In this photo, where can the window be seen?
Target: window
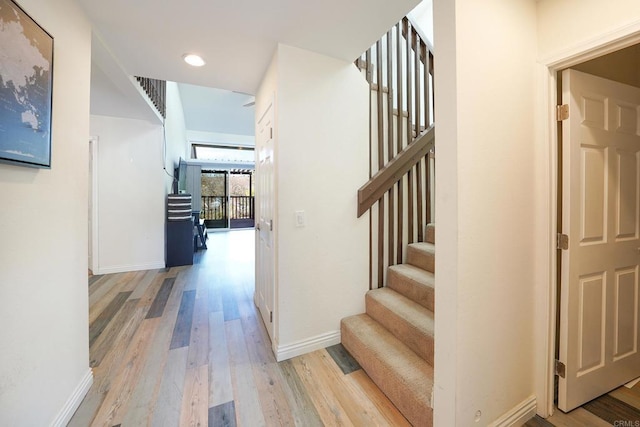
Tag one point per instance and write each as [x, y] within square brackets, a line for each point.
[223, 154]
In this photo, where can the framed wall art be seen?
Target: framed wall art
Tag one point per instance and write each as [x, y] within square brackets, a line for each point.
[26, 88]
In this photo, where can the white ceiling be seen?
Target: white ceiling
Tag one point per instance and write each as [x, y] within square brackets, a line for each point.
[216, 110]
[113, 92]
[237, 39]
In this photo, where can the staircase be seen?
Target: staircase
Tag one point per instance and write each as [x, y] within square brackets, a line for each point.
[393, 341]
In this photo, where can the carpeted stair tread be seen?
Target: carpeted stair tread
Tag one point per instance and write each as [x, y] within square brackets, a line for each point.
[422, 255]
[401, 374]
[405, 319]
[414, 283]
[430, 233]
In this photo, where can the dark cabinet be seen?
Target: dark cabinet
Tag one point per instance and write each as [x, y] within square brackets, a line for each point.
[179, 243]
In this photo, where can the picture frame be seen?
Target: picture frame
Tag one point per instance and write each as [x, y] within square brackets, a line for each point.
[26, 88]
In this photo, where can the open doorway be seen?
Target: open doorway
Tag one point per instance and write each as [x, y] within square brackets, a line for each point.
[598, 210]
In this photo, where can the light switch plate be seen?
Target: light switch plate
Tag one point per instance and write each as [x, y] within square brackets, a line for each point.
[300, 219]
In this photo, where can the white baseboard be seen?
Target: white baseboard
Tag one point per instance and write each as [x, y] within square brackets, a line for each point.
[284, 352]
[69, 408]
[130, 267]
[518, 415]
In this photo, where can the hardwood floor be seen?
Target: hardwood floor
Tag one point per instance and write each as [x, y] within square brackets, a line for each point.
[186, 346]
[621, 407]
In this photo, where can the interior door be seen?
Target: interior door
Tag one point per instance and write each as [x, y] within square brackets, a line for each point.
[265, 196]
[600, 213]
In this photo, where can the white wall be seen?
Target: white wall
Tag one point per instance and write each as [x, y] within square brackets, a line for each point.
[131, 203]
[131, 194]
[321, 160]
[177, 145]
[132, 186]
[588, 20]
[422, 16]
[43, 254]
[485, 178]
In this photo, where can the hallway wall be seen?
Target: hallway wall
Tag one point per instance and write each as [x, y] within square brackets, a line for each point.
[132, 186]
[485, 205]
[131, 193]
[557, 34]
[177, 145]
[44, 360]
[321, 154]
[322, 142]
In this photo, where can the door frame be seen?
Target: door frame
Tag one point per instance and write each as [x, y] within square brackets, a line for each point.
[548, 68]
[93, 182]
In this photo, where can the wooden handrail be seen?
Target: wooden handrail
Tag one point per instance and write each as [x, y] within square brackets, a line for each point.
[426, 56]
[393, 172]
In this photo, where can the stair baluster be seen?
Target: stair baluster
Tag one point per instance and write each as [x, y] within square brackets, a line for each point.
[400, 64]
[394, 339]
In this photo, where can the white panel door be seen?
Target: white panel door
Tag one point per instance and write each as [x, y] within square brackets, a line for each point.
[265, 201]
[600, 212]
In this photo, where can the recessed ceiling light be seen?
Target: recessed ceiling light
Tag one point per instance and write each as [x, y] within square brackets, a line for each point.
[193, 59]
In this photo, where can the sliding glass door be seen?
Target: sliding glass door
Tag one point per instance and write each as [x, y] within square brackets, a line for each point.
[214, 199]
[241, 206]
[228, 199]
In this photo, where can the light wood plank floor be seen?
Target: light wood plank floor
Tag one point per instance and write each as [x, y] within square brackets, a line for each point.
[620, 407]
[186, 346]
